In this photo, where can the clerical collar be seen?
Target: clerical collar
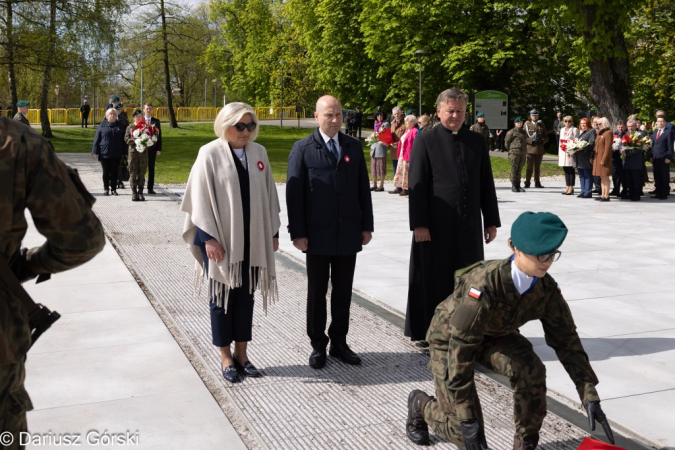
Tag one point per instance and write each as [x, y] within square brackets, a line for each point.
[521, 280]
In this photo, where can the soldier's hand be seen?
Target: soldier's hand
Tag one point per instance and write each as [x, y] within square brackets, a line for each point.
[20, 267]
[594, 412]
[301, 244]
[473, 435]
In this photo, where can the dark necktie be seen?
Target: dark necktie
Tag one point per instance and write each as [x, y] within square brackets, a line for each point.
[333, 149]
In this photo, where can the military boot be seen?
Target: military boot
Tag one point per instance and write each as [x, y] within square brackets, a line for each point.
[514, 187]
[134, 194]
[528, 443]
[140, 194]
[520, 189]
[415, 427]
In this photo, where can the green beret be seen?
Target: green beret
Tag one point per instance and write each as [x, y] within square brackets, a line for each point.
[114, 99]
[518, 119]
[480, 114]
[137, 112]
[538, 233]
[409, 112]
[119, 106]
[22, 103]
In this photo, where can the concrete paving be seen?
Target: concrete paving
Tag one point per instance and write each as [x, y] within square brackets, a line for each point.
[613, 273]
[292, 406]
[110, 365]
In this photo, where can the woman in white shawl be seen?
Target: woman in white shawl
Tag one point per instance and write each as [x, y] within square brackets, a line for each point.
[232, 228]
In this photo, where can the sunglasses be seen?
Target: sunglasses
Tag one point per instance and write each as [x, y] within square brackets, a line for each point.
[550, 257]
[240, 126]
[568, 121]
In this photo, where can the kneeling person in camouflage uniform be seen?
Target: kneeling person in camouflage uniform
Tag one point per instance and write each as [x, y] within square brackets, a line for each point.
[138, 161]
[479, 324]
[515, 142]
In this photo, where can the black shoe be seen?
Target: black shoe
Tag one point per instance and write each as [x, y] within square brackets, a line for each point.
[151, 191]
[140, 195]
[654, 196]
[526, 184]
[113, 192]
[422, 344]
[614, 193]
[231, 374]
[344, 354]
[653, 192]
[596, 191]
[120, 185]
[635, 199]
[521, 189]
[514, 188]
[416, 428]
[134, 194]
[372, 189]
[538, 185]
[603, 199]
[317, 359]
[106, 192]
[247, 369]
[663, 197]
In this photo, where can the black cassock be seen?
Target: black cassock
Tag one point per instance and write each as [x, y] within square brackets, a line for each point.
[450, 185]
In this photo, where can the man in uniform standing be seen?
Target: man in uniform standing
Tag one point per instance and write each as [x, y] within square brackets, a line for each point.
[536, 138]
[478, 324]
[31, 176]
[84, 110]
[480, 127]
[515, 143]
[22, 110]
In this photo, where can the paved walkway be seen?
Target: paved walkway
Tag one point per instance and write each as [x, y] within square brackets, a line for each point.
[123, 353]
[614, 273]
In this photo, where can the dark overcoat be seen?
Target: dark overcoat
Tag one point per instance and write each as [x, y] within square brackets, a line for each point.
[109, 140]
[452, 192]
[328, 201]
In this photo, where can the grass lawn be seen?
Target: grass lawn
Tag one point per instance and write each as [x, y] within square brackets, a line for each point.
[181, 145]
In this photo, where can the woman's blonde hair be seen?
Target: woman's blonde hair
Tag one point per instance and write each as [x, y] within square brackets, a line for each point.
[424, 118]
[111, 110]
[411, 118]
[231, 114]
[569, 118]
[603, 122]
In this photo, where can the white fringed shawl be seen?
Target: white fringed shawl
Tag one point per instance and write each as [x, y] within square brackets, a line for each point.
[212, 202]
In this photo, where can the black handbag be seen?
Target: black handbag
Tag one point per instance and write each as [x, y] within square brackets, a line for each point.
[124, 170]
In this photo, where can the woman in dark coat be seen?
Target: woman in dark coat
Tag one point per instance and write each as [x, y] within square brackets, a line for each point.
[582, 158]
[602, 161]
[109, 147]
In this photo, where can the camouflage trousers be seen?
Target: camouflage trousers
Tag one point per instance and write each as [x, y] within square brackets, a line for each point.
[138, 164]
[533, 165]
[14, 403]
[513, 357]
[517, 163]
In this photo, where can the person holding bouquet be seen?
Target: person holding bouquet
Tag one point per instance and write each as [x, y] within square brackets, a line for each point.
[567, 135]
[633, 157]
[405, 145]
[138, 158]
[582, 158]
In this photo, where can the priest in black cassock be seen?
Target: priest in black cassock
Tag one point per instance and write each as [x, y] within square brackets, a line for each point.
[453, 209]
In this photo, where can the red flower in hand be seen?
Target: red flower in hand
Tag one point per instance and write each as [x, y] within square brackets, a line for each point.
[626, 139]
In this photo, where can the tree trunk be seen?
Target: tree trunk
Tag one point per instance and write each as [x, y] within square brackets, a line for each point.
[10, 57]
[47, 77]
[610, 75]
[167, 72]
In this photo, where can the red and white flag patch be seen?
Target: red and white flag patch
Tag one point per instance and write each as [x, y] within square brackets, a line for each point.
[475, 293]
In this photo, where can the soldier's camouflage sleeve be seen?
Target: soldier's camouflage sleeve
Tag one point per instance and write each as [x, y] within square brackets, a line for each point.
[60, 213]
[561, 335]
[508, 139]
[466, 329]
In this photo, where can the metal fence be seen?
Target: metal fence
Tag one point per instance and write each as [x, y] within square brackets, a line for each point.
[72, 116]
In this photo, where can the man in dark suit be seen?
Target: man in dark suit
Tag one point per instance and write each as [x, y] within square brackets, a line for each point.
[330, 218]
[156, 149]
[662, 153]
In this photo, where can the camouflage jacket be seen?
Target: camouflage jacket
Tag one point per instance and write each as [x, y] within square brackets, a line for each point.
[462, 321]
[482, 129]
[32, 177]
[515, 140]
[21, 118]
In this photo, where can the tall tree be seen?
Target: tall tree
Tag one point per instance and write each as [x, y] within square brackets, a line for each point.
[47, 74]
